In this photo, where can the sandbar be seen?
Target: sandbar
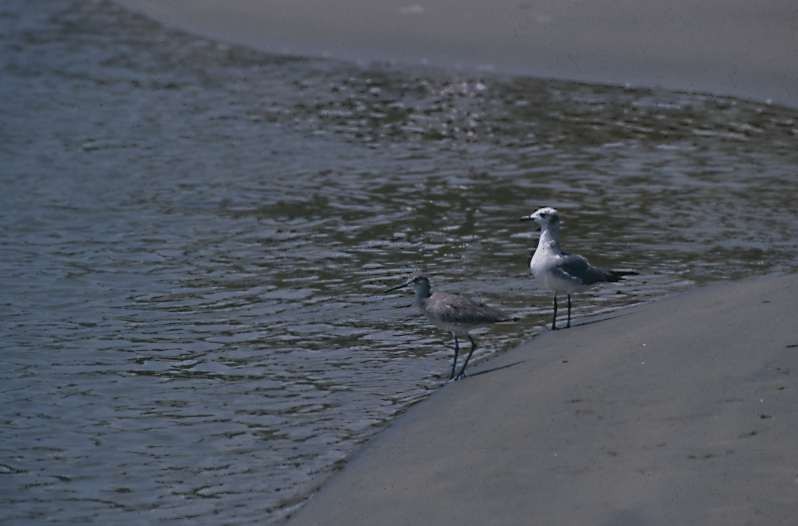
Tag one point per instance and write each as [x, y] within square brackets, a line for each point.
[728, 47]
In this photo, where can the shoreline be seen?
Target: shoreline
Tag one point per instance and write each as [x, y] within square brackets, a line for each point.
[721, 47]
[679, 411]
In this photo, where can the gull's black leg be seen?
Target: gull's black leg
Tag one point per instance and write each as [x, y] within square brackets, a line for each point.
[456, 352]
[554, 318]
[473, 346]
[569, 312]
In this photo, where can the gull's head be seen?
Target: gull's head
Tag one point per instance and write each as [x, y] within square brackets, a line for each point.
[545, 217]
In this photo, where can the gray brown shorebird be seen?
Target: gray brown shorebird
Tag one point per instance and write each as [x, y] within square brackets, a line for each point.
[453, 313]
[559, 271]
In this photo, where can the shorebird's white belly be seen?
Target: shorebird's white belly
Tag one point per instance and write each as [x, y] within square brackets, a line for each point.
[460, 329]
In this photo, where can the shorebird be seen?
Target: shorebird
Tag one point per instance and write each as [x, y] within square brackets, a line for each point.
[453, 313]
[559, 271]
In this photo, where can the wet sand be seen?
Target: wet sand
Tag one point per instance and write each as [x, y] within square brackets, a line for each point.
[677, 412]
[728, 47]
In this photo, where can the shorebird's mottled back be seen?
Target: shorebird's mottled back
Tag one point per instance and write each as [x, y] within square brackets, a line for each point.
[460, 313]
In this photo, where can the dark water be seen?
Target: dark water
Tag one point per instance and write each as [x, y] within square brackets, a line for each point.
[195, 237]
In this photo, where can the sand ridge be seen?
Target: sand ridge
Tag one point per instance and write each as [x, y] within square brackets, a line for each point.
[728, 47]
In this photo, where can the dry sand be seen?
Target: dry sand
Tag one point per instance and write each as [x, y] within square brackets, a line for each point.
[683, 411]
[735, 47]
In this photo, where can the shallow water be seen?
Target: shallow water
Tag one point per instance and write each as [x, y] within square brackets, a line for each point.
[195, 238]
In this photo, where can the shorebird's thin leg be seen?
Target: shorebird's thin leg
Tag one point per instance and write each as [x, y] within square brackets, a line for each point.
[569, 312]
[473, 346]
[456, 352]
[554, 317]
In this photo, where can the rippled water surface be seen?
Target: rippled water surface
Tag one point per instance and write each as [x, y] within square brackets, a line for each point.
[195, 238]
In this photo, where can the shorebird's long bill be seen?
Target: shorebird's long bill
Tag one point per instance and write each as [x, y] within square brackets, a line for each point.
[405, 284]
[526, 218]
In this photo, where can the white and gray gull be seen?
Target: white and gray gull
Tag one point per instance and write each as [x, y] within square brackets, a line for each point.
[453, 313]
[559, 271]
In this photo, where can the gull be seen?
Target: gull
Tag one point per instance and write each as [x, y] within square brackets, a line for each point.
[453, 313]
[559, 271]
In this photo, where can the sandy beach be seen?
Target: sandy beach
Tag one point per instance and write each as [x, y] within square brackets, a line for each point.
[677, 412]
[727, 47]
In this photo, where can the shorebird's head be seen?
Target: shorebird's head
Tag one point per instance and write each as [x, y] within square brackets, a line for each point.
[544, 217]
[420, 284]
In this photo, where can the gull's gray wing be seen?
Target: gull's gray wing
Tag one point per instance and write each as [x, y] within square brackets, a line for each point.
[578, 268]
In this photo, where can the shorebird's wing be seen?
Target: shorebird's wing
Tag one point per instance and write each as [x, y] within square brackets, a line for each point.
[452, 308]
[578, 268]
